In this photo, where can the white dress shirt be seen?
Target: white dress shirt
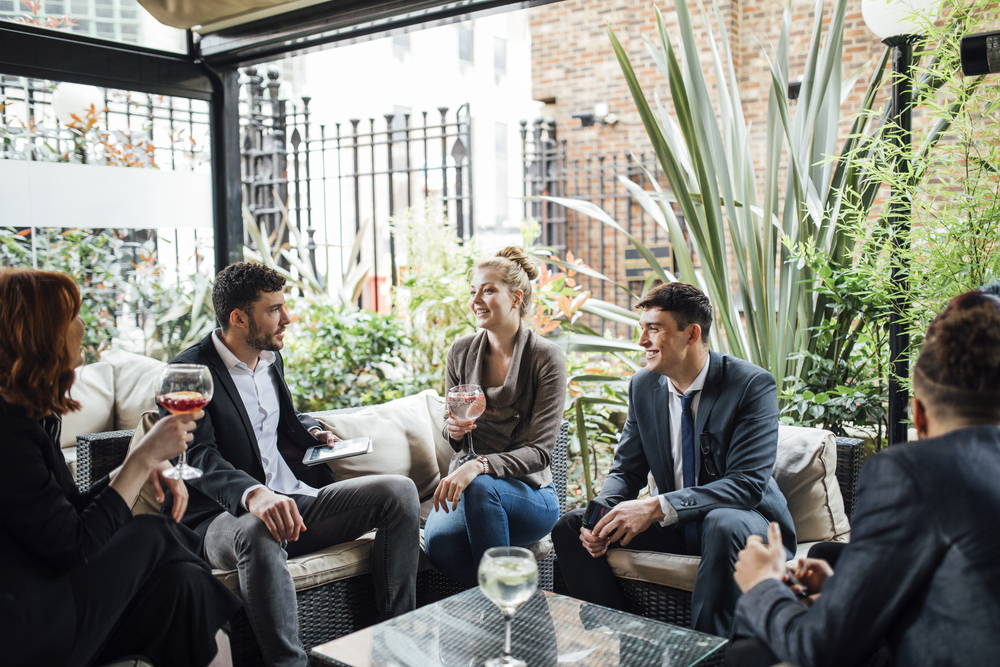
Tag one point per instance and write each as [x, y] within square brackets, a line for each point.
[676, 445]
[259, 390]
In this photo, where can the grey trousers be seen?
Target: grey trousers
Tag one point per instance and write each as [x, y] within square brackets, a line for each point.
[340, 513]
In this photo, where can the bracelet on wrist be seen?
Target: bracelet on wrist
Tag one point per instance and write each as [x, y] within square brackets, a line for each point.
[485, 462]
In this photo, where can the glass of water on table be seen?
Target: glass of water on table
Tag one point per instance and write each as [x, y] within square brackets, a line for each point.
[508, 576]
[467, 403]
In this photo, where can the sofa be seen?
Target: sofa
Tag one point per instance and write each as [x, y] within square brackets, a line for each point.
[335, 593]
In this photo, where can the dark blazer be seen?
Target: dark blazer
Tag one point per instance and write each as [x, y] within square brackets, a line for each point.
[921, 572]
[47, 529]
[225, 447]
[737, 416]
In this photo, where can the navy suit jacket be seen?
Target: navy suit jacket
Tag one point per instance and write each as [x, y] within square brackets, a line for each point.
[225, 446]
[737, 416]
[921, 572]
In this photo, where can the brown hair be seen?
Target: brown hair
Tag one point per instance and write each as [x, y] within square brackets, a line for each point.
[958, 372]
[516, 270]
[36, 368]
[686, 303]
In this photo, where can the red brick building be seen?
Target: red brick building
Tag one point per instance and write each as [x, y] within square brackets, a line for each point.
[575, 69]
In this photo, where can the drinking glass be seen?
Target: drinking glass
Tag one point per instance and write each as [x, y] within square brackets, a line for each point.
[183, 389]
[466, 403]
[508, 576]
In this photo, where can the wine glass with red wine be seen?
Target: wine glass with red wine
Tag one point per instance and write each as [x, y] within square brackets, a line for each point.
[467, 403]
[183, 389]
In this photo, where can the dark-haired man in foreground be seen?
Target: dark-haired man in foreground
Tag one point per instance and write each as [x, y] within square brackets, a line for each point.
[706, 425]
[256, 503]
[920, 576]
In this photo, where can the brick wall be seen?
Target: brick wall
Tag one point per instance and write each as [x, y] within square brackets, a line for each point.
[574, 68]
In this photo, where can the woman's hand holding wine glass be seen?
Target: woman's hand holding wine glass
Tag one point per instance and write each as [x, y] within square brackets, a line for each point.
[184, 389]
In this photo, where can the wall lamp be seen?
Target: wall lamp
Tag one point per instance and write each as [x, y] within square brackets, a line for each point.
[601, 115]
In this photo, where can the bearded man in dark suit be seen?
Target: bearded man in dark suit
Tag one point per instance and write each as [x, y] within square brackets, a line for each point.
[706, 425]
[919, 582]
[256, 503]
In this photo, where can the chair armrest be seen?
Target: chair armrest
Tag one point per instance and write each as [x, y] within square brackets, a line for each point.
[850, 458]
[97, 454]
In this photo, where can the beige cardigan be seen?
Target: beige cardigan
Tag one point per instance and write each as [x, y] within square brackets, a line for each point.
[518, 431]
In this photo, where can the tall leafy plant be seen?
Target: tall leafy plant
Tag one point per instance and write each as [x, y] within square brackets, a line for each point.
[704, 149]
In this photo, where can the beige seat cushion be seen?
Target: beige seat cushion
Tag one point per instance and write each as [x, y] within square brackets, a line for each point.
[805, 470]
[145, 502]
[806, 473]
[94, 387]
[135, 386]
[405, 434]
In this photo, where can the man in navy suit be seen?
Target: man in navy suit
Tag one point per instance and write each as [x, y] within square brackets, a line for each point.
[257, 503]
[706, 426]
[920, 578]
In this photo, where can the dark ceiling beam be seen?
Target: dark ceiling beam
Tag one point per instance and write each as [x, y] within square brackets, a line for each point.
[309, 29]
[61, 56]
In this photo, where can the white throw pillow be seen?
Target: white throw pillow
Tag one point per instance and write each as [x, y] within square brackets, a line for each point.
[805, 470]
[405, 436]
[135, 386]
[94, 387]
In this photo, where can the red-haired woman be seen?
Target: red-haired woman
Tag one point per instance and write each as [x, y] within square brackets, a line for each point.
[82, 581]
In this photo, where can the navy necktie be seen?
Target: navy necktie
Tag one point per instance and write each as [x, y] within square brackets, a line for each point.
[687, 458]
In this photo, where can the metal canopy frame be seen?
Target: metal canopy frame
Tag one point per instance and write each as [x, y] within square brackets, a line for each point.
[209, 70]
[311, 28]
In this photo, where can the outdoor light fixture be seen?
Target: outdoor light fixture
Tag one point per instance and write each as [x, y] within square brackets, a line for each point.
[980, 53]
[75, 99]
[897, 23]
[601, 115]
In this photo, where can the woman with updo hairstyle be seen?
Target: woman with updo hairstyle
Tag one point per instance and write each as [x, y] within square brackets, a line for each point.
[82, 582]
[504, 495]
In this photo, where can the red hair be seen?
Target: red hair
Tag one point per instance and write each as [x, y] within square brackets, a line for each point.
[36, 367]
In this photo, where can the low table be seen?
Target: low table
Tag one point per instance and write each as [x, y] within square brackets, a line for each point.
[467, 629]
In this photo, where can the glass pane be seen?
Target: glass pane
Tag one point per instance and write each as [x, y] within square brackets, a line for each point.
[6, 6]
[500, 54]
[82, 26]
[53, 7]
[105, 29]
[78, 7]
[465, 43]
[106, 13]
[127, 13]
[402, 41]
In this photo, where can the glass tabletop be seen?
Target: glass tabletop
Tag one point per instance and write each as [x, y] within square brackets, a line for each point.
[466, 629]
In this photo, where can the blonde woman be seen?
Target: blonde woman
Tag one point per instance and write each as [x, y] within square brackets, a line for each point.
[504, 496]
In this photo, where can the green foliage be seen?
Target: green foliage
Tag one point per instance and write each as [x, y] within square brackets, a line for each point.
[338, 357]
[432, 297]
[92, 257]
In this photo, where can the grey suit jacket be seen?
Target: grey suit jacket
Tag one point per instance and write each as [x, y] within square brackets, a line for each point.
[737, 417]
[921, 572]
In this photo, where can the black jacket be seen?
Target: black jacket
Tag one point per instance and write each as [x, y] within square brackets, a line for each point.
[47, 529]
[225, 447]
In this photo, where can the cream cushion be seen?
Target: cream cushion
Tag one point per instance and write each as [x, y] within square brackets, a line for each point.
[135, 386]
[405, 434]
[94, 388]
[805, 470]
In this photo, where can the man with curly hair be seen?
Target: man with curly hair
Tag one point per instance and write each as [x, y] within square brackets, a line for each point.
[919, 582]
[256, 503]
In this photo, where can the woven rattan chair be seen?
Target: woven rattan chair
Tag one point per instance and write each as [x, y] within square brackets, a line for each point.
[327, 609]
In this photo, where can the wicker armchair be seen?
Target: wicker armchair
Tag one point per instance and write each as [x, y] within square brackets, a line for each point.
[329, 606]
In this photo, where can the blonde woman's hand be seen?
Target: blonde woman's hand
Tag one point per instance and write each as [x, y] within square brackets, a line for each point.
[457, 428]
[450, 488]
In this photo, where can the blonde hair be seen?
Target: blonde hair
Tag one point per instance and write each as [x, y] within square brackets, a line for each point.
[516, 270]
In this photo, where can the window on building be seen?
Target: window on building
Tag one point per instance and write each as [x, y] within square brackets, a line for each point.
[500, 54]
[116, 20]
[465, 43]
[501, 183]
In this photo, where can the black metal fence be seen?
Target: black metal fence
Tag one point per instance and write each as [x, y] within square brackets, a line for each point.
[337, 179]
[548, 170]
[121, 128]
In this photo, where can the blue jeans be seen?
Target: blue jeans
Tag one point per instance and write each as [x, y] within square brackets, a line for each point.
[492, 512]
